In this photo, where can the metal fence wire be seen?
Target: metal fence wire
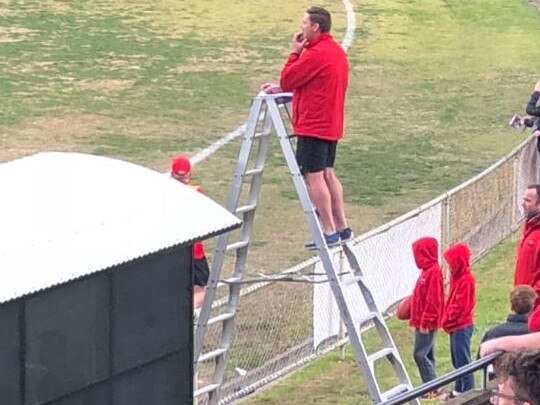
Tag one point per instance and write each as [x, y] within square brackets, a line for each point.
[281, 326]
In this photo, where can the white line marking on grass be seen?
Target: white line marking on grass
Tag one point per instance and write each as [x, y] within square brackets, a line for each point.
[345, 43]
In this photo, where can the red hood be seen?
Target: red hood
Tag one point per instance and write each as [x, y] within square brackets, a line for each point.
[458, 257]
[425, 251]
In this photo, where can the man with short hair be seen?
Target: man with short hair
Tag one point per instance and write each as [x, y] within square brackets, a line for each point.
[527, 271]
[522, 300]
[317, 73]
[518, 375]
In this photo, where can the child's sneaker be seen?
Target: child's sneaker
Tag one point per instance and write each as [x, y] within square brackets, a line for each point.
[434, 394]
[346, 235]
[331, 240]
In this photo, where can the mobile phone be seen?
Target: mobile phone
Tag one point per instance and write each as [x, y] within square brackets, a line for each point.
[515, 122]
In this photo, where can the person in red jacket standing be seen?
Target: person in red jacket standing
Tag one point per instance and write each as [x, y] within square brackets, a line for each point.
[527, 270]
[458, 313]
[181, 171]
[317, 73]
[427, 304]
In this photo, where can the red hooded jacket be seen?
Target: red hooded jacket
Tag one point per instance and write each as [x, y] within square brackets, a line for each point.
[528, 256]
[318, 78]
[459, 309]
[428, 297]
[534, 320]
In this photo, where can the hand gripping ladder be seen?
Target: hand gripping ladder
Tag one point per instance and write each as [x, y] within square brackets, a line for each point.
[264, 117]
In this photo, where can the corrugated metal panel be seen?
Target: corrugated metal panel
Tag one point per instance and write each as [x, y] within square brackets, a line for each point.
[66, 215]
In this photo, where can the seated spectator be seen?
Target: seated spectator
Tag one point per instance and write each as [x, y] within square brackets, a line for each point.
[518, 375]
[522, 300]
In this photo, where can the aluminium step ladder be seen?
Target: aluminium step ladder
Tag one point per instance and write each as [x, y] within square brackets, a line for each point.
[264, 119]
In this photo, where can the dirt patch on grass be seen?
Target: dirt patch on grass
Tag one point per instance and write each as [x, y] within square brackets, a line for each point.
[231, 59]
[106, 86]
[15, 34]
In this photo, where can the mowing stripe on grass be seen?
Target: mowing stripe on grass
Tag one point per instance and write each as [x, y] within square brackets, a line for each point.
[345, 43]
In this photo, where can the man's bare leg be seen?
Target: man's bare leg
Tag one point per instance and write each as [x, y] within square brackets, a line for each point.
[321, 198]
[336, 196]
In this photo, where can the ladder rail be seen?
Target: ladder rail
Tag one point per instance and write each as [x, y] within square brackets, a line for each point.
[221, 247]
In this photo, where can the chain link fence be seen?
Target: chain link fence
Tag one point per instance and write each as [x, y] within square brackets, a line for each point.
[281, 326]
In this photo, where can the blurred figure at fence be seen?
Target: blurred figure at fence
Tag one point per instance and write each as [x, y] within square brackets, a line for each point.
[181, 171]
[518, 379]
[522, 299]
[427, 304]
[317, 72]
[458, 314]
[533, 120]
[527, 270]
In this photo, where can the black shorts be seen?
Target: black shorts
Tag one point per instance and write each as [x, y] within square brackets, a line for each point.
[200, 272]
[314, 154]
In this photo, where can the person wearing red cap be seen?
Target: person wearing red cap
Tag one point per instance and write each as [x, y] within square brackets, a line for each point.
[181, 171]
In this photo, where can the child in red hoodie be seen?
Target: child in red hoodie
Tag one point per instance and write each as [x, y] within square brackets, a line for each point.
[459, 311]
[427, 306]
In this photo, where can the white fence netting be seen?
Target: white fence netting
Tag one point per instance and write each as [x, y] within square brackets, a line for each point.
[280, 326]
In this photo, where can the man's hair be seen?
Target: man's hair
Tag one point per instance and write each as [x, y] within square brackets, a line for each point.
[523, 368]
[537, 188]
[522, 299]
[319, 15]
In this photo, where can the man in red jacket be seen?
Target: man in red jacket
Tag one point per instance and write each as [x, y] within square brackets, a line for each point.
[181, 171]
[458, 314]
[528, 248]
[427, 306]
[317, 73]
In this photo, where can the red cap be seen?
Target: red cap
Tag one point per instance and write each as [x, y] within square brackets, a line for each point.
[180, 165]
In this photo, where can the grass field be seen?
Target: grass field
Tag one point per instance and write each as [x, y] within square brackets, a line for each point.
[431, 90]
[429, 97]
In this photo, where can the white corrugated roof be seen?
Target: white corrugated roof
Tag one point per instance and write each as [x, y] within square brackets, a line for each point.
[66, 215]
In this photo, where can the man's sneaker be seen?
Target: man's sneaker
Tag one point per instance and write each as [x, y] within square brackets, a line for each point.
[346, 235]
[331, 240]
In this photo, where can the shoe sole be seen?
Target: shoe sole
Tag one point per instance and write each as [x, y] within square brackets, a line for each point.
[330, 245]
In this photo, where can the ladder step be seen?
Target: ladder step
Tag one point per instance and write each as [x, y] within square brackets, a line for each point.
[392, 392]
[372, 358]
[211, 355]
[237, 245]
[245, 208]
[261, 134]
[252, 172]
[220, 318]
[205, 390]
[232, 280]
[366, 318]
[352, 280]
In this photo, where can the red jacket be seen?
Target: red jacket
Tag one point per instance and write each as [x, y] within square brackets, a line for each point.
[459, 309]
[534, 320]
[528, 255]
[428, 297]
[318, 78]
[198, 247]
